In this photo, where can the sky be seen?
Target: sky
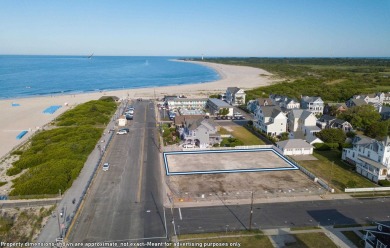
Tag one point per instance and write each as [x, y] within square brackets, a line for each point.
[250, 28]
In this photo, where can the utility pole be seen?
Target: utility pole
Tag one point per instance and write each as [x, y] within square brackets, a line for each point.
[251, 214]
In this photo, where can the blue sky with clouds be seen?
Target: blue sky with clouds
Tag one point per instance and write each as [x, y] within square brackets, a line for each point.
[331, 28]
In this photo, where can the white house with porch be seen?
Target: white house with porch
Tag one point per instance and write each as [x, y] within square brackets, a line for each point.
[271, 120]
[235, 96]
[371, 157]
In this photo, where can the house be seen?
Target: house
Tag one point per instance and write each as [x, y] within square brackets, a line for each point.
[335, 108]
[375, 99]
[295, 147]
[200, 132]
[327, 121]
[216, 106]
[311, 139]
[271, 120]
[379, 237]
[384, 111]
[298, 118]
[254, 104]
[179, 121]
[235, 96]
[341, 124]
[313, 104]
[355, 102]
[285, 102]
[186, 103]
[122, 121]
[371, 157]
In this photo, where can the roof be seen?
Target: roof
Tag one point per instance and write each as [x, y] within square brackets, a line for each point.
[327, 118]
[358, 102]
[261, 101]
[233, 90]
[313, 139]
[179, 119]
[313, 128]
[311, 98]
[296, 113]
[306, 114]
[340, 122]
[361, 140]
[372, 162]
[220, 103]
[271, 111]
[293, 143]
[186, 99]
[385, 109]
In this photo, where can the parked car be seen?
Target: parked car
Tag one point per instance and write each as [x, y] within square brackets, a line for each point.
[121, 132]
[106, 166]
[188, 145]
[125, 129]
[129, 117]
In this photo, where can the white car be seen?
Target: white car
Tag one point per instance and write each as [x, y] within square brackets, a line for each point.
[121, 132]
[188, 146]
[106, 166]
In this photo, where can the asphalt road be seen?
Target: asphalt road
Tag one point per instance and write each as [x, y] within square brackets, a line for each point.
[125, 202]
[278, 215]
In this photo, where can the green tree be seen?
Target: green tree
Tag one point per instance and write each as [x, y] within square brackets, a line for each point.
[378, 130]
[224, 111]
[284, 136]
[361, 116]
[332, 135]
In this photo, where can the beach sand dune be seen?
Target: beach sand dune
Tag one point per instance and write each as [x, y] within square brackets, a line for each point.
[29, 115]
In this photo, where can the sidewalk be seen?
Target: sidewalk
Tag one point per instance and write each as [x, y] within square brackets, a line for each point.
[57, 226]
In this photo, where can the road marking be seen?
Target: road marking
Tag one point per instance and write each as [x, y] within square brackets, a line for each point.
[181, 217]
[141, 164]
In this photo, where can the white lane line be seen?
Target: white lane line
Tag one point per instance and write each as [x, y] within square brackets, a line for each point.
[181, 217]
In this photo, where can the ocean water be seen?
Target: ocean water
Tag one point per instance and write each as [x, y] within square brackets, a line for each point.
[27, 76]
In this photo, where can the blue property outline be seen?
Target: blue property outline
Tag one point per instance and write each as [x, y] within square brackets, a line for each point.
[293, 166]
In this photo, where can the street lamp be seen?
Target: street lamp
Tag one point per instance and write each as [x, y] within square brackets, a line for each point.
[227, 228]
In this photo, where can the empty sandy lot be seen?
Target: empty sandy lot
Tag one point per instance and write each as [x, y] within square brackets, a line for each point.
[225, 160]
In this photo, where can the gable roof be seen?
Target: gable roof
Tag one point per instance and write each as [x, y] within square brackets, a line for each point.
[180, 119]
[233, 90]
[311, 98]
[293, 143]
[270, 111]
[358, 102]
[306, 114]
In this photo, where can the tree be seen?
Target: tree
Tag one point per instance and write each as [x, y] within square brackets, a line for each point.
[332, 135]
[378, 130]
[361, 116]
[224, 111]
[283, 136]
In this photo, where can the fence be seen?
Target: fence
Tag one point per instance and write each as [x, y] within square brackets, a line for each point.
[369, 190]
[304, 170]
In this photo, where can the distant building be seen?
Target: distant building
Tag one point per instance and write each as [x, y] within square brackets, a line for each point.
[215, 105]
[371, 157]
[284, 102]
[374, 99]
[295, 147]
[186, 103]
[384, 111]
[313, 104]
[327, 121]
[338, 108]
[271, 120]
[254, 104]
[235, 96]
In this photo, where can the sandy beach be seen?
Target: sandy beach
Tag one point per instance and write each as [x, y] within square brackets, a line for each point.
[29, 115]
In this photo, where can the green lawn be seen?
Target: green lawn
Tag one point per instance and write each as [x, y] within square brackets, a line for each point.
[311, 240]
[342, 175]
[354, 238]
[254, 241]
[244, 135]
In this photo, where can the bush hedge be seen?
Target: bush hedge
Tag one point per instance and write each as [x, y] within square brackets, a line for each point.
[55, 157]
[384, 183]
